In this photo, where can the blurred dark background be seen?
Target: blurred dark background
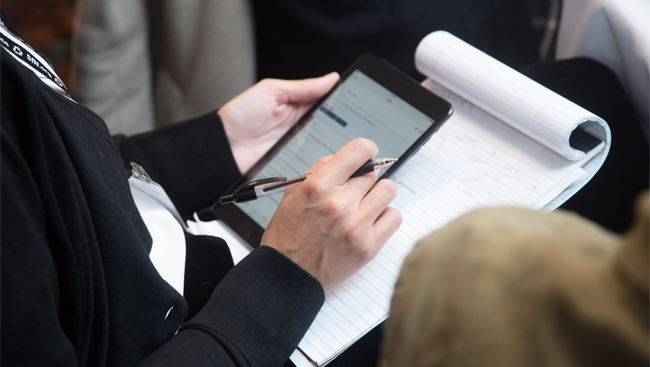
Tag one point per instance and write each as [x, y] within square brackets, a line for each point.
[299, 39]
[48, 26]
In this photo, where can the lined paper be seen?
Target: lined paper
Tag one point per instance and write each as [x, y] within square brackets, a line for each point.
[506, 144]
[474, 161]
[478, 158]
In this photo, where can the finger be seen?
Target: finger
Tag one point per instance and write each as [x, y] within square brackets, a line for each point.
[362, 184]
[307, 90]
[318, 164]
[386, 225]
[338, 169]
[376, 201]
[290, 189]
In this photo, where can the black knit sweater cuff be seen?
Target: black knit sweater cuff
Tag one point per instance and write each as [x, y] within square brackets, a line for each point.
[263, 306]
[192, 160]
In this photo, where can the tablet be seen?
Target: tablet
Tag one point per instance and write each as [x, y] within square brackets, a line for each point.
[372, 100]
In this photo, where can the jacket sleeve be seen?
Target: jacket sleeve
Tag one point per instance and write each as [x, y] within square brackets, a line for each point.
[32, 332]
[255, 317]
[191, 160]
[258, 313]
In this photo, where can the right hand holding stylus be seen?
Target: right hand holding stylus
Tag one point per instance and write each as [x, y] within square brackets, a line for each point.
[328, 225]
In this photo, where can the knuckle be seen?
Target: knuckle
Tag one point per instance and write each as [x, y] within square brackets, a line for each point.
[335, 209]
[322, 160]
[315, 188]
[365, 252]
[366, 146]
[395, 219]
[399, 218]
[389, 188]
[355, 237]
[352, 241]
[267, 83]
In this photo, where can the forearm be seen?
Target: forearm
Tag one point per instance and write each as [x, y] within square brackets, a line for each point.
[255, 317]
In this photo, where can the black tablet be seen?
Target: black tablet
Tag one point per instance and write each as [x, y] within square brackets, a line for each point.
[372, 100]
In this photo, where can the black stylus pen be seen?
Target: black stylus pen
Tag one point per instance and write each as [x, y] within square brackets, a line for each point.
[275, 185]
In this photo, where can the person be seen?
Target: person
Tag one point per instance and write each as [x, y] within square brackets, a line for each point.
[515, 287]
[78, 284]
[166, 61]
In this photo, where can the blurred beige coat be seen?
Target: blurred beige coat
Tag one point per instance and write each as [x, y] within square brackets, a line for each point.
[142, 64]
[513, 287]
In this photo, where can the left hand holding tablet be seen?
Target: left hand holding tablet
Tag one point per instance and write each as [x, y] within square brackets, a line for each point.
[257, 118]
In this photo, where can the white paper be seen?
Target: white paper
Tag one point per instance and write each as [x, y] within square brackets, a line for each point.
[238, 247]
[476, 160]
[506, 94]
[168, 240]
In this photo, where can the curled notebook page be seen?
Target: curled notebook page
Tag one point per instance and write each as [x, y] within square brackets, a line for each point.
[477, 159]
[545, 116]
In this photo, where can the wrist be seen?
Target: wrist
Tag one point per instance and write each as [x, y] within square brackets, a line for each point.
[231, 135]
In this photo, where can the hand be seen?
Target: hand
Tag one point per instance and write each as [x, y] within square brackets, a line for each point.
[328, 225]
[256, 119]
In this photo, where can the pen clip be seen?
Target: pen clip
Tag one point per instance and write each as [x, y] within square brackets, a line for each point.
[251, 185]
[138, 172]
[246, 192]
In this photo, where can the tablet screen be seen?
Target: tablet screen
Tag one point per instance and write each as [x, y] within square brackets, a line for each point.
[359, 107]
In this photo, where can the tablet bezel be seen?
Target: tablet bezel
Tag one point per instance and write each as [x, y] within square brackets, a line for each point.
[387, 76]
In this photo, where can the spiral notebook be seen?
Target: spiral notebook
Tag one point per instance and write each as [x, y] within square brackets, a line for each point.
[510, 142]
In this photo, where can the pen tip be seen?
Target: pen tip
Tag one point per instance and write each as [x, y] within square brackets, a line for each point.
[383, 162]
[387, 160]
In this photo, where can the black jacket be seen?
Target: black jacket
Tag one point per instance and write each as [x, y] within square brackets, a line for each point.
[78, 287]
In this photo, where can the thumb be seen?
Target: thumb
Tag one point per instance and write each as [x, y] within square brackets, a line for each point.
[307, 90]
